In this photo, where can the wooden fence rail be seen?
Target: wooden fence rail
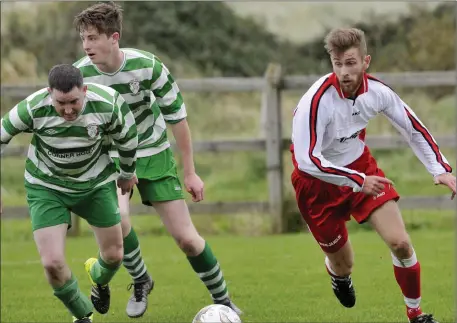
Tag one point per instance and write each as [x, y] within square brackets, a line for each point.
[271, 85]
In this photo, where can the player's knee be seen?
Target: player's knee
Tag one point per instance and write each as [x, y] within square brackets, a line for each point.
[113, 254]
[54, 266]
[401, 248]
[191, 246]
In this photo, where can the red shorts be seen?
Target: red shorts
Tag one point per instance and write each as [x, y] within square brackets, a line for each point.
[326, 207]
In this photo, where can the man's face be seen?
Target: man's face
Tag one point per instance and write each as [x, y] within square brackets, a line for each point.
[98, 47]
[349, 67]
[69, 105]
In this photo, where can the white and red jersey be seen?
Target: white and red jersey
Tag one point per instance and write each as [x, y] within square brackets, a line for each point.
[328, 130]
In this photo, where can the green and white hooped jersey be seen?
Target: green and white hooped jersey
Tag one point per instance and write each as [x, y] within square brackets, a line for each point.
[73, 156]
[151, 92]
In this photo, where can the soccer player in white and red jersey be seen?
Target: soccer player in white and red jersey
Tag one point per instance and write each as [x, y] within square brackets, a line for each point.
[335, 175]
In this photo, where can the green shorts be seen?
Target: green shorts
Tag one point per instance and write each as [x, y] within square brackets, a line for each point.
[49, 207]
[158, 179]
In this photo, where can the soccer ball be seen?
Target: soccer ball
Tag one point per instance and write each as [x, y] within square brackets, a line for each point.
[216, 313]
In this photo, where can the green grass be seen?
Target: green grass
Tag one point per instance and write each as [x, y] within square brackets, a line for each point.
[272, 278]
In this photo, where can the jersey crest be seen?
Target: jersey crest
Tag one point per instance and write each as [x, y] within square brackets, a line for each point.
[134, 86]
[92, 130]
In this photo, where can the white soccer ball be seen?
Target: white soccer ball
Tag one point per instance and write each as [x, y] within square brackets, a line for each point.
[216, 313]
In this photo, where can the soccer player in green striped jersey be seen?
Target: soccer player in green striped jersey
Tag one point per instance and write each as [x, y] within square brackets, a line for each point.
[68, 168]
[155, 100]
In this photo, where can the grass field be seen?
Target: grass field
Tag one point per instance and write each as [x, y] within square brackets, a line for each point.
[272, 278]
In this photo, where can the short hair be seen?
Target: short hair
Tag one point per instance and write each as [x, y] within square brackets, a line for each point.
[339, 40]
[106, 17]
[64, 78]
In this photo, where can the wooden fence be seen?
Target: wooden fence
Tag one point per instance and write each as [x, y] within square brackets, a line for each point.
[272, 85]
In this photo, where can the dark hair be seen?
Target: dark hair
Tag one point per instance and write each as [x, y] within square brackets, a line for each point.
[106, 17]
[64, 78]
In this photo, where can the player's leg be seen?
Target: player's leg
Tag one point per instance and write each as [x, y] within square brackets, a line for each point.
[101, 210]
[159, 186]
[323, 208]
[332, 237]
[133, 262]
[142, 281]
[388, 223]
[102, 269]
[176, 218]
[50, 221]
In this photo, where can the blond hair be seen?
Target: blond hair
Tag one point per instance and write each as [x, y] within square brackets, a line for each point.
[340, 40]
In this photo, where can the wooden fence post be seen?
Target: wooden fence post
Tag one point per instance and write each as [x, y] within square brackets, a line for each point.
[273, 135]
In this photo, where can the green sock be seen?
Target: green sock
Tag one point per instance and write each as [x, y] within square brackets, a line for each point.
[102, 273]
[71, 296]
[133, 261]
[207, 268]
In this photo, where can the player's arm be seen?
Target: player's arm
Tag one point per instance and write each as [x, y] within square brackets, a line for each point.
[17, 120]
[173, 108]
[309, 124]
[125, 137]
[415, 133]
[171, 103]
[419, 139]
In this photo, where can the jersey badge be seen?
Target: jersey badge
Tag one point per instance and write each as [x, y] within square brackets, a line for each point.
[92, 130]
[134, 86]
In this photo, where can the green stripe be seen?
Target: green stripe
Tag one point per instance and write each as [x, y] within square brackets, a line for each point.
[160, 93]
[137, 63]
[157, 71]
[88, 71]
[174, 107]
[221, 293]
[146, 100]
[174, 121]
[93, 156]
[38, 98]
[36, 139]
[127, 153]
[124, 88]
[23, 114]
[97, 107]
[143, 115]
[65, 132]
[208, 278]
[125, 109]
[10, 129]
[45, 111]
[131, 133]
[136, 263]
[77, 186]
[216, 285]
[104, 94]
[157, 143]
[127, 168]
[145, 135]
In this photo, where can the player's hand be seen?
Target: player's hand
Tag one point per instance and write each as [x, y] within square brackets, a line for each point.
[446, 179]
[374, 185]
[126, 185]
[194, 186]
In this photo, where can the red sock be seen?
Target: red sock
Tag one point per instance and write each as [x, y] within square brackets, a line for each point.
[407, 274]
